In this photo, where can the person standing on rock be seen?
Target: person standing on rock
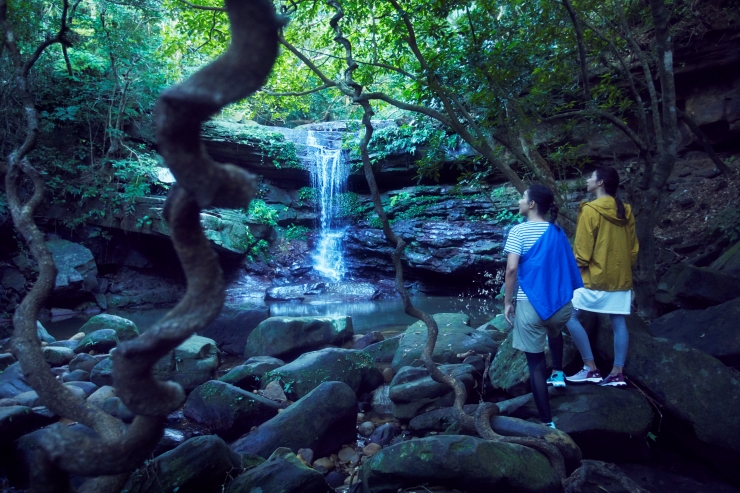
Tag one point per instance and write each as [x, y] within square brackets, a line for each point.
[541, 259]
[606, 250]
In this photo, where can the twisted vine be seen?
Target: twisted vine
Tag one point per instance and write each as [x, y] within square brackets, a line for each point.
[180, 111]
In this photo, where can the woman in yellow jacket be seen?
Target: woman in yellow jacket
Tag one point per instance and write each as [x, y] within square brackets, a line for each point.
[606, 250]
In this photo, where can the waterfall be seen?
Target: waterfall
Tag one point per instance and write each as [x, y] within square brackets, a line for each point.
[329, 179]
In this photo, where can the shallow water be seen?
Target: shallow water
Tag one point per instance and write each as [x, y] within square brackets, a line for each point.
[386, 316]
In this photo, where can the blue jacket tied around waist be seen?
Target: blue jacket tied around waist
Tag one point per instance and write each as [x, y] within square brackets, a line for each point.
[548, 273]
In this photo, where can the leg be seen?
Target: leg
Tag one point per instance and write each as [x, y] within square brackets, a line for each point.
[556, 351]
[580, 339]
[621, 341]
[537, 368]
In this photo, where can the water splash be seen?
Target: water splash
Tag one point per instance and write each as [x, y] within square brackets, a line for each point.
[329, 179]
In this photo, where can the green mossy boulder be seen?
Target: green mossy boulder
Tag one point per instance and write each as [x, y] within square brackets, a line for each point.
[323, 421]
[125, 329]
[354, 368]
[509, 372]
[101, 341]
[479, 466]
[249, 375]
[289, 337]
[226, 410]
[57, 356]
[455, 337]
[190, 364]
[384, 351]
[198, 465]
[282, 472]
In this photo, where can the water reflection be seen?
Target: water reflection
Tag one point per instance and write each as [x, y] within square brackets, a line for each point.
[384, 315]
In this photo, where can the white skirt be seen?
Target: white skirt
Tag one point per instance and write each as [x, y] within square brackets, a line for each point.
[614, 302]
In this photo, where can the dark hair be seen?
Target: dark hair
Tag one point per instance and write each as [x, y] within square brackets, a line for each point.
[610, 177]
[545, 200]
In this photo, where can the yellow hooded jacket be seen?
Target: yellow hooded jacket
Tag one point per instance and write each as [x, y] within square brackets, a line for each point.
[605, 246]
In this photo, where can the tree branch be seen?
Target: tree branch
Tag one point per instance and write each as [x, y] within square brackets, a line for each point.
[203, 7]
[301, 93]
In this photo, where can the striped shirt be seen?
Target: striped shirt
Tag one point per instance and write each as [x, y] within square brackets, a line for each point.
[521, 238]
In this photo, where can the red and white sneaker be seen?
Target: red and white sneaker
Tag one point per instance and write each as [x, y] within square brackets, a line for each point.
[585, 375]
[614, 381]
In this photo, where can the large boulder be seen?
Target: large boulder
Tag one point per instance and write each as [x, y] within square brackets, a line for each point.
[289, 337]
[354, 368]
[125, 329]
[713, 330]
[232, 327]
[412, 390]
[99, 341]
[509, 371]
[190, 364]
[323, 421]
[607, 423]
[57, 356]
[455, 337]
[385, 350]
[76, 269]
[282, 472]
[701, 393]
[16, 421]
[696, 287]
[200, 464]
[446, 460]
[226, 410]
[12, 381]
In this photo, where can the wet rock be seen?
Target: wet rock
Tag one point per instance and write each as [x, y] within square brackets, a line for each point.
[116, 408]
[413, 391]
[57, 356]
[366, 429]
[509, 371]
[383, 352]
[87, 387]
[367, 339]
[72, 345]
[232, 327]
[28, 399]
[455, 337]
[102, 373]
[692, 287]
[43, 334]
[680, 378]
[282, 472]
[77, 376]
[384, 434]
[226, 410]
[12, 381]
[289, 337]
[200, 464]
[322, 421]
[293, 292]
[190, 364]
[713, 330]
[353, 368]
[76, 269]
[83, 361]
[125, 329]
[98, 397]
[171, 438]
[6, 359]
[249, 375]
[594, 416]
[16, 421]
[443, 460]
[100, 341]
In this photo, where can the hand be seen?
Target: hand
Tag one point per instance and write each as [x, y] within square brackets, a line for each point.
[509, 311]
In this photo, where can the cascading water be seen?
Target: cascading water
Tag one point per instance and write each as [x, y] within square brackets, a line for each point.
[329, 179]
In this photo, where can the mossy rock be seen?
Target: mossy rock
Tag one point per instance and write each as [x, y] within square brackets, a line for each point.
[125, 329]
[101, 341]
[384, 351]
[282, 472]
[451, 460]
[289, 337]
[354, 368]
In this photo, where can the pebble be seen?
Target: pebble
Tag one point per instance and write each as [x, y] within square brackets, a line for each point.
[77, 337]
[306, 454]
[388, 375]
[275, 392]
[366, 429]
[360, 417]
[371, 449]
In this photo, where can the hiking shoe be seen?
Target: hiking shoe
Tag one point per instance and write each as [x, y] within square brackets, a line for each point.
[551, 424]
[585, 375]
[614, 381]
[557, 379]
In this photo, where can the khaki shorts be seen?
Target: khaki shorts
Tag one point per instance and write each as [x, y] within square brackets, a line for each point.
[530, 330]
